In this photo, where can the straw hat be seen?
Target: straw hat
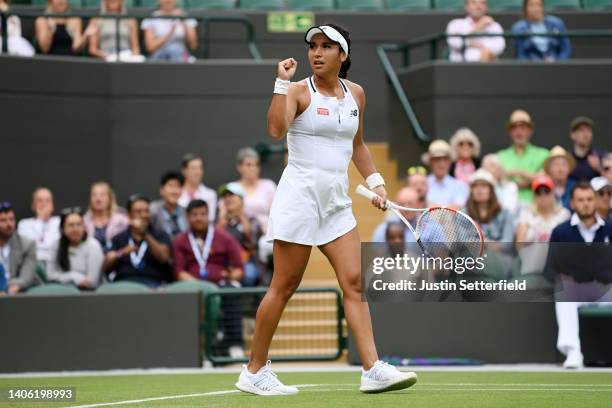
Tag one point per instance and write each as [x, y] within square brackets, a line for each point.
[437, 148]
[519, 116]
[559, 151]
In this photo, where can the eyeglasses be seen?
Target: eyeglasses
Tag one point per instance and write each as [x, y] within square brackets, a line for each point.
[542, 191]
[466, 143]
[71, 210]
[416, 170]
[607, 168]
[604, 192]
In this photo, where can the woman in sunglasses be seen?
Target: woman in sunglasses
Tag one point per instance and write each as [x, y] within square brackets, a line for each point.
[465, 147]
[79, 257]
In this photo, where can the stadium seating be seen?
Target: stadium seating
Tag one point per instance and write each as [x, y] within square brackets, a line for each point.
[262, 4]
[562, 4]
[361, 4]
[96, 3]
[506, 4]
[155, 3]
[210, 4]
[399, 5]
[122, 287]
[310, 4]
[73, 3]
[53, 289]
[448, 4]
[597, 4]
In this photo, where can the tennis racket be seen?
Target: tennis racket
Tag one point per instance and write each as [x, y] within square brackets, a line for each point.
[439, 231]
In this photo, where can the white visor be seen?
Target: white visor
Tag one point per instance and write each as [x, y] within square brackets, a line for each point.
[330, 33]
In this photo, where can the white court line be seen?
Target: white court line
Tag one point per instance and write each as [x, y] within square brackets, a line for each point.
[514, 389]
[512, 384]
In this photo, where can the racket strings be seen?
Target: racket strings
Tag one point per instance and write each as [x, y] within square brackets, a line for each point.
[445, 232]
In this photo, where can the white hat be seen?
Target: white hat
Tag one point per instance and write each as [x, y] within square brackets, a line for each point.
[330, 33]
[482, 175]
[599, 183]
[437, 148]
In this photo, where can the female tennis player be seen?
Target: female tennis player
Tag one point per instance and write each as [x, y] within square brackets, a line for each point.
[323, 118]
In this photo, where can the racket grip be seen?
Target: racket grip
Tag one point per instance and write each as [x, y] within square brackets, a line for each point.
[361, 190]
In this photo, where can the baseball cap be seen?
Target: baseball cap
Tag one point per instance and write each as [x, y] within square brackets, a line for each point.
[581, 120]
[519, 116]
[599, 183]
[232, 188]
[330, 33]
[542, 180]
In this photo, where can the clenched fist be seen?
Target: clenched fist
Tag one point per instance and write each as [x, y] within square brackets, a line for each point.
[286, 69]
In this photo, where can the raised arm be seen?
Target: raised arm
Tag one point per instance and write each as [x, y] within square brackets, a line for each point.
[283, 106]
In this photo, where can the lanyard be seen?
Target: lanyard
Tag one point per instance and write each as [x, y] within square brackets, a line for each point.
[137, 258]
[201, 256]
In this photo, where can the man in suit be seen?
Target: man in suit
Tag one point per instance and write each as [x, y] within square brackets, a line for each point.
[583, 272]
[17, 255]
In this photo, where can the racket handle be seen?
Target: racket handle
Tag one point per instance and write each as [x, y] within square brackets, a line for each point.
[369, 194]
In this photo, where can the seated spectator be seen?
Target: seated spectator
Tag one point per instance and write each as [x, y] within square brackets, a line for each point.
[603, 190]
[606, 166]
[522, 161]
[406, 197]
[582, 272]
[588, 158]
[104, 219]
[78, 258]
[141, 253]
[60, 35]
[17, 45]
[166, 214]
[17, 255]
[535, 224]
[558, 166]
[442, 189]
[43, 228]
[505, 190]
[170, 39]
[417, 179]
[192, 167]
[465, 151]
[497, 223]
[537, 47]
[246, 230]
[486, 48]
[258, 192]
[205, 251]
[103, 43]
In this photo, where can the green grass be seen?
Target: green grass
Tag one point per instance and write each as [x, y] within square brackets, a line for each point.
[339, 389]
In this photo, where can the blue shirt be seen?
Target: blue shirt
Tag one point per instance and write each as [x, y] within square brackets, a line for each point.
[449, 191]
[537, 47]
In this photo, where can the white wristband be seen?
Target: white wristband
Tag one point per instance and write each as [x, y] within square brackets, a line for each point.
[281, 86]
[374, 180]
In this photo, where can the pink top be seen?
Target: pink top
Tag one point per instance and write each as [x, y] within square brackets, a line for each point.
[257, 203]
[463, 170]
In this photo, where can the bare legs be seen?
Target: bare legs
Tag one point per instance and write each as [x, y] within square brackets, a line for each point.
[290, 261]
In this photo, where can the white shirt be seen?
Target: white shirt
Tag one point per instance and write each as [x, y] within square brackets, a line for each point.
[44, 233]
[465, 26]
[162, 26]
[588, 234]
[203, 193]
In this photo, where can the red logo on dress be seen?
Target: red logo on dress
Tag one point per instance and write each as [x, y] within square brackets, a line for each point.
[323, 111]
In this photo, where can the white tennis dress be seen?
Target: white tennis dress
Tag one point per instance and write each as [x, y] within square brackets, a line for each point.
[311, 205]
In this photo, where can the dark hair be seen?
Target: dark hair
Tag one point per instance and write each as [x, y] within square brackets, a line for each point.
[493, 207]
[189, 157]
[581, 185]
[63, 259]
[525, 3]
[197, 203]
[346, 65]
[172, 175]
[136, 197]
[394, 224]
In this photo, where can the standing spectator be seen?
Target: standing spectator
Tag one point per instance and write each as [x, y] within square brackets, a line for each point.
[141, 253]
[486, 48]
[603, 190]
[535, 224]
[43, 228]
[537, 47]
[588, 159]
[205, 251]
[442, 188]
[246, 230]
[17, 255]
[103, 43]
[406, 197]
[505, 190]
[465, 153]
[166, 214]
[582, 271]
[417, 179]
[558, 166]
[170, 39]
[606, 166]
[104, 219]
[522, 161]
[193, 170]
[17, 45]
[61, 35]
[258, 192]
[78, 258]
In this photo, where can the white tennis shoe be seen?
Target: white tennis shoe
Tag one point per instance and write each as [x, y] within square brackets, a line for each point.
[264, 382]
[384, 377]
